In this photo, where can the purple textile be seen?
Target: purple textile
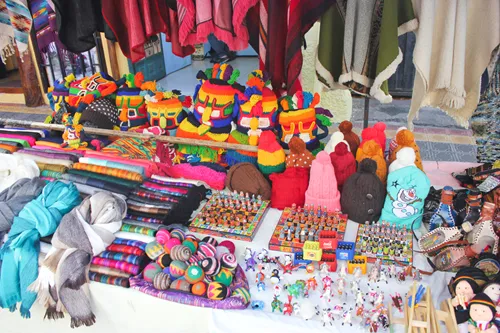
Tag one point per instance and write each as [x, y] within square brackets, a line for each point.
[68, 157]
[230, 303]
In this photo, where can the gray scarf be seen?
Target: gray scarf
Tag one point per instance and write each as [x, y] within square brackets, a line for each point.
[14, 198]
[86, 231]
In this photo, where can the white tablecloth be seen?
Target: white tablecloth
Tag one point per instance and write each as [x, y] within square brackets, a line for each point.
[126, 310]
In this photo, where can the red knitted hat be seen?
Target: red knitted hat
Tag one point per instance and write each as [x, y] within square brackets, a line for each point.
[376, 133]
[289, 187]
[343, 163]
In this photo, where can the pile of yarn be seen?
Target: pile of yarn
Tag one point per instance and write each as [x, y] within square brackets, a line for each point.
[184, 263]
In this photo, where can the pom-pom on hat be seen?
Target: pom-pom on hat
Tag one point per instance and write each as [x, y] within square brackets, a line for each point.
[343, 162]
[352, 138]
[289, 187]
[363, 194]
[405, 138]
[245, 177]
[322, 190]
[299, 156]
[393, 144]
[335, 139]
[371, 149]
[270, 155]
[377, 133]
[404, 157]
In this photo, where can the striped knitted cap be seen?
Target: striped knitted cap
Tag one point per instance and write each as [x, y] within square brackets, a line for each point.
[483, 299]
[270, 155]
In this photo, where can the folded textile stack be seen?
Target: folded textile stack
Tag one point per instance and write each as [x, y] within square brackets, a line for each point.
[122, 259]
[13, 139]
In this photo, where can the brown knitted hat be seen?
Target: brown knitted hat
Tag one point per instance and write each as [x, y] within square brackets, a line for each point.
[352, 138]
[299, 156]
[247, 178]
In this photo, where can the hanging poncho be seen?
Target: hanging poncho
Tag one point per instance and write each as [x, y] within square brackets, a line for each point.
[358, 45]
[39, 218]
[15, 26]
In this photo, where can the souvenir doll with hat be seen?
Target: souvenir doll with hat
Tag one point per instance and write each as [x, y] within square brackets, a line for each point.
[492, 289]
[482, 311]
[463, 287]
[300, 116]
[213, 112]
[257, 112]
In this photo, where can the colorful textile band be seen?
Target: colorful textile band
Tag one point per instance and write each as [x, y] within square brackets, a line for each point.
[125, 249]
[124, 174]
[109, 271]
[143, 219]
[137, 230]
[162, 182]
[47, 154]
[130, 242]
[132, 148]
[158, 188]
[151, 196]
[113, 164]
[116, 281]
[51, 174]
[130, 258]
[52, 167]
[144, 224]
[150, 210]
[121, 265]
[111, 179]
[152, 204]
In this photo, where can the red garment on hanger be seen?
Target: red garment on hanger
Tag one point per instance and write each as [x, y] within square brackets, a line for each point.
[134, 22]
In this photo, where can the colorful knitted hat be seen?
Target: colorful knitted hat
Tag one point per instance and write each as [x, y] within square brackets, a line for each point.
[404, 157]
[246, 178]
[363, 194]
[257, 112]
[352, 138]
[300, 116]
[393, 144]
[167, 109]
[101, 113]
[270, 155]
[299, 156]
[371, 149]
[322, 190]
[405, 138]
[335, 139]
[98, 85]
[377, 133]
[130, 102]
[343, 162]
[289, 187]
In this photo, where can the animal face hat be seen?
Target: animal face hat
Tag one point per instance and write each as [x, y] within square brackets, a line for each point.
[167, 109]
[214, 98]
[301, 117]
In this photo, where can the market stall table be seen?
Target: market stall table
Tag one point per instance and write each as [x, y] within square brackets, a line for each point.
[126, 310]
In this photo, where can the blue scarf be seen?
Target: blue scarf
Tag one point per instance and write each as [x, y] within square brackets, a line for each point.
[19, 255]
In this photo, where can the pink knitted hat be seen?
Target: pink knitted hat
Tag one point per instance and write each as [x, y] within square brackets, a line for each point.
[322, 190]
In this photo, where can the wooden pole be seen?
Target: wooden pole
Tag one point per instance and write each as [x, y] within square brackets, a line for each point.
[29, 80]
[105, 132]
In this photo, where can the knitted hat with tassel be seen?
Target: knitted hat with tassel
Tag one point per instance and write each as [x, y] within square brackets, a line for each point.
[371, 149]
[270, 154]
[352, 138]
[343, 163]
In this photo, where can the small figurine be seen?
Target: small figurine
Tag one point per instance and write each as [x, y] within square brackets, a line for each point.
[482, 313]
[492, 289]
[296, 308]
[347, 317]
[382, 277]
[343, 270]
[276, 304]
[327, 295]
[360, 310]
[338, 310]
[288, 266]
[277, 290]
[288, 307]
[257, 305]
[380, 299]
[295, 290]
[374, 273]
[250, 259]
[354, 286]
[327, 317]
[263, 256]
[327, 282]
[324, 269]
[310, 268]
[357, 273]
[311, 283]
[417, 276]
[397, 301]
[275, 276]
[392, 271]
[401, 276]
[359, 298]
[261, 286]
[340, 286]
[372, 296]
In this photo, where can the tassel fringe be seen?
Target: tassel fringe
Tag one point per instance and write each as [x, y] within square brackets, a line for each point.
[75, 322]
[53, 314]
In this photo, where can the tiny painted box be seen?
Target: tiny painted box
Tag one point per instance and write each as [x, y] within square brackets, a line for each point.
[330, 259]
[328, 240]
[312, 251]
[298, 260]
[345, 250]
[362, 261]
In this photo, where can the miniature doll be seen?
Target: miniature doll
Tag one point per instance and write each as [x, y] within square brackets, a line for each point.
[392, 271]
[347, 317]
[464, 287]
[382, 277]
[380, 299]
[372, 296]
[324, 269]
[275, 276]
[327, 295]
[354, 286]
[261, 286]
[327, 282]
[276, 304]
[374, 274]
[343, 270]
[357, 274]
[277, 290]
[492, 289]
[482, 313]
[296, 308]
[261, 275]
[341, 286]
[250, 259]
[311, 283]
[359, 298]
[327, 317]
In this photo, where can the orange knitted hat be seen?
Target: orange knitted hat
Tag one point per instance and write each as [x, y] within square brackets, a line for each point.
[372, 150]
[405, 138]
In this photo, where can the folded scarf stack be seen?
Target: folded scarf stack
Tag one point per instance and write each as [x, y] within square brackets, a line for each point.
[83, 233]
[122, 259]
[38, 218]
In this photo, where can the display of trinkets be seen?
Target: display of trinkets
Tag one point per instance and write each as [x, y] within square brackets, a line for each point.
[231, 215]
[385, 242]
[298, 225]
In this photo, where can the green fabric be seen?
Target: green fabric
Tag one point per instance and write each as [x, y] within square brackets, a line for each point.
[268, 169]
[331, 41]
[51, 174]
[23, 142]
[203, 152]
[111, 179]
